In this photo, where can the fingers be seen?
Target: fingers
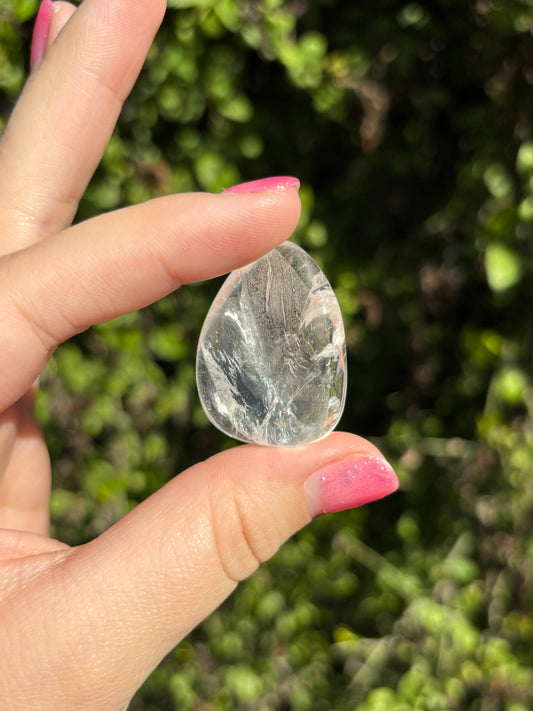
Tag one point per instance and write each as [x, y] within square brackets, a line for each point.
[25, 475]
[123, 261]
[63, 11]
[15, 545]
[157, 573]
[50, 20]
[67, 112]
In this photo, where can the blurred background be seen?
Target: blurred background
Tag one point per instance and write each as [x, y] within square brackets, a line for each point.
[410, 125]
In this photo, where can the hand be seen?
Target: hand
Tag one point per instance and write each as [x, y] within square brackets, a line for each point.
[74, 619]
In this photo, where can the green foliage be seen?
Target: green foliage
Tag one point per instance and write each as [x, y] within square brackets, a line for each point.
[411, 127]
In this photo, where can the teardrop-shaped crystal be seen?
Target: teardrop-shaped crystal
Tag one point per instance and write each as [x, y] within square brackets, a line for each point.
[271, 361]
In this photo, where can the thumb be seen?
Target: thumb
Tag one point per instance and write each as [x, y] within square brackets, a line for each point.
[150, 579]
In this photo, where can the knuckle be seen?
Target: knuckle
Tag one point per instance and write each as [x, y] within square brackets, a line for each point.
[245, 531]
[41, 323]
[16, 310]
[42, 339]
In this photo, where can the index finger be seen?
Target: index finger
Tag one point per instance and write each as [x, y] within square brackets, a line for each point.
[66, 114]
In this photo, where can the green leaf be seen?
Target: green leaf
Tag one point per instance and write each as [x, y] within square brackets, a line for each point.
[497, 180]
[502, 266]
[510, 385]
[524, 158]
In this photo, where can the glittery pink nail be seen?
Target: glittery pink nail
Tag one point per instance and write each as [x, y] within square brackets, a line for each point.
[40, 32]
[258, 186]
[349, 483]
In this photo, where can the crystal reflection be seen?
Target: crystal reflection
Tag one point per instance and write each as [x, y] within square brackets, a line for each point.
[271, 361]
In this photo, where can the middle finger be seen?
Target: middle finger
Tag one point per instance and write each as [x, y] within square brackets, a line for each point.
[66, 114]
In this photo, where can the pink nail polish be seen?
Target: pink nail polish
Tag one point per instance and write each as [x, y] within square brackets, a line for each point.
[349, 483]
[40, 32]
[258, 186]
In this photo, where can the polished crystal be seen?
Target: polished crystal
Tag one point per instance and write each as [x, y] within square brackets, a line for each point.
[271, 361]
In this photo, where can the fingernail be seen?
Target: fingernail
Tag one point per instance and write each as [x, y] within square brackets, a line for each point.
[349, 483]
[40, 32]
[280, 183]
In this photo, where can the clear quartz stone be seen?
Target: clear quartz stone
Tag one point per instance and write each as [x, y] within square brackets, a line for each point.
[271, 360]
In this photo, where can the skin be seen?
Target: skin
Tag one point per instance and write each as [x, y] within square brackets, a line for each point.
[73, 619]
